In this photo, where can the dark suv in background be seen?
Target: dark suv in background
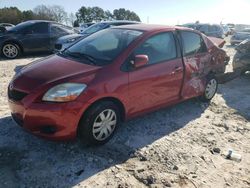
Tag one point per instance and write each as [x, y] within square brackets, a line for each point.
[32, 36]
[213, 30]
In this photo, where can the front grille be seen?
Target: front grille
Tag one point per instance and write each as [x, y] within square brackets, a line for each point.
[16, 95]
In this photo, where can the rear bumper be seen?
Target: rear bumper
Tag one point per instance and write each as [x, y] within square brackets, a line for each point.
[49, 120]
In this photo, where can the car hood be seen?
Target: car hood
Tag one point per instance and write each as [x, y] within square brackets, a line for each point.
[49, 70]
[69, 37]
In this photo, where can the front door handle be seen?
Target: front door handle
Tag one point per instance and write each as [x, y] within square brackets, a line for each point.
[176, 70]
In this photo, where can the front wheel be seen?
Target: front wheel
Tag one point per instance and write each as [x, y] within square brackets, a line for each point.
[210, 89]
[99, 123]
[11, 50]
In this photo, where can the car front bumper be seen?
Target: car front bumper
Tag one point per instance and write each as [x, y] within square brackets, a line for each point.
[54, 121]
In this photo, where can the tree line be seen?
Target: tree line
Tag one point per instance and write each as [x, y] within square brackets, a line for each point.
[57, 13]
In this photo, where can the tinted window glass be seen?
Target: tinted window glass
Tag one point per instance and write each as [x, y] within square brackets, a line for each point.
[158, 48]
[192, 43]
[40, 28]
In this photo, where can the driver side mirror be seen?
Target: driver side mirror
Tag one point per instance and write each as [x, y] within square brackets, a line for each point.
[140, 61]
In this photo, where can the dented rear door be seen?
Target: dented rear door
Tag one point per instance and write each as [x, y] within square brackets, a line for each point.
[196, 60]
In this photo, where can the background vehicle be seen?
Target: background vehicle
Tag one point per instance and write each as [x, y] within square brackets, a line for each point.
[84, 26]
[226, 30]
[213, 30]
[6, 25]
[111, 76]
[31, 36]
[231, 27]
[68, 40]
[241, 61]
[240, 36]
[190, 25]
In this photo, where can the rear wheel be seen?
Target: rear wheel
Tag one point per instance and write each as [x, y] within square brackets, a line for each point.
[210, 89]
[99, 123]
[11, 50]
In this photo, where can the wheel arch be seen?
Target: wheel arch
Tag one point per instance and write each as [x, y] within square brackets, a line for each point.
[115, 100]
[15, 42]
[211, 73]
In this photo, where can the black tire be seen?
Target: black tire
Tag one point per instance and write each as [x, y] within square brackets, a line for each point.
[211, 80]
[15, 47]
[86, 125]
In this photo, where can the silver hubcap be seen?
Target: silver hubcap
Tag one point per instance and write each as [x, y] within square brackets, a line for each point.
[10, 50]
[104, 125]
[211, 89]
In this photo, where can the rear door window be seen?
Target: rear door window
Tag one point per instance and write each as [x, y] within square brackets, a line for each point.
[192, 43]
[158, 48]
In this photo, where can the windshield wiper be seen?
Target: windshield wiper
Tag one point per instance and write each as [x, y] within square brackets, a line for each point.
[81, 55]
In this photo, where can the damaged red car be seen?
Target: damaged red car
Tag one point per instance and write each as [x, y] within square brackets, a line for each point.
[111, 76]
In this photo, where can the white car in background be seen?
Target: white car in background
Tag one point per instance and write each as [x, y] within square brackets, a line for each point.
[6, 25]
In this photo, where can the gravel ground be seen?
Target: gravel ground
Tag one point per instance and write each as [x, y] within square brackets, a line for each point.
[180, 146]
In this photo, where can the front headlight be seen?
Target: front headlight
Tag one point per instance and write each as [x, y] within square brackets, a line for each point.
[64, 92]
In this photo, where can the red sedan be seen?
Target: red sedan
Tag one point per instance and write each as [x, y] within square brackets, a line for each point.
[111, 76]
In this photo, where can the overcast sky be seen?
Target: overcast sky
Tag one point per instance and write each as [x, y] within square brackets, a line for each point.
[158, 11]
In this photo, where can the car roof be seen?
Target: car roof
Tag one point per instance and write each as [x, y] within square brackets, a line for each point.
[42, 21]
[39, 21]
[118, 21]
[152, 27]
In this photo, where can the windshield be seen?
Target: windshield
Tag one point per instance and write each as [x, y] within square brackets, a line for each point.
[102, 47]
[94, 28]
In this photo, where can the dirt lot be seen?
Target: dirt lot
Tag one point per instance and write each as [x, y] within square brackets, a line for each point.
[173, 147]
